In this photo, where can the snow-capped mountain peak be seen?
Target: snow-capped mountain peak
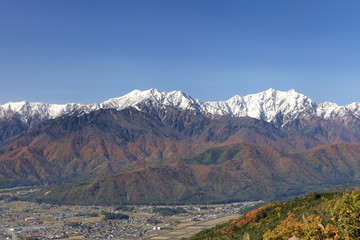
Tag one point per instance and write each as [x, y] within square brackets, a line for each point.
[264, 105]
[270, 105]
[42, 111]
[153, 97]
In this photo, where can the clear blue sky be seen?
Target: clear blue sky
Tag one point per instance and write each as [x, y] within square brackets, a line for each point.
[87, 51]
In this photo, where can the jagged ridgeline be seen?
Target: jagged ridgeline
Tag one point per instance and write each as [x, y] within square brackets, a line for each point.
[315, 216]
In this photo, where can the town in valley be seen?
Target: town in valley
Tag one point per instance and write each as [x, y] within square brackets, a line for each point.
[40, 220]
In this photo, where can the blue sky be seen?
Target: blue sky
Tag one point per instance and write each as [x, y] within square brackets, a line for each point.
[87, 51]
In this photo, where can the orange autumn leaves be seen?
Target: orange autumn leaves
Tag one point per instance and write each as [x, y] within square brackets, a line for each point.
[307, 228]
[325, 216]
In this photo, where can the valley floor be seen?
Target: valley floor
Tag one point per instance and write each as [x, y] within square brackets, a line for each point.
[22, 220]
[189, 228]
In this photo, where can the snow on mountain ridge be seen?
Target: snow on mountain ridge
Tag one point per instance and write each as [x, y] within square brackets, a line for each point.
[267, 105]
[43, 111]
[264, 105]
[135, 98]
[332, 110]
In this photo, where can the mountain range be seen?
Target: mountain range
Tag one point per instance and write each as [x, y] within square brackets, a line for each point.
[157, 137]
[273, 106]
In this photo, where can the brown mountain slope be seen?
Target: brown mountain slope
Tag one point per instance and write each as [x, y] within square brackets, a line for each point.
[229, 173]
[109, 141]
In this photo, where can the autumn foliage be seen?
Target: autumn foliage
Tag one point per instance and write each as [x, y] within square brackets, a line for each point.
[326, 216]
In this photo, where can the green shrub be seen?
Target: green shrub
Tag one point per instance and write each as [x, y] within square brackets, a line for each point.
[111, 216]
[73, 224]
